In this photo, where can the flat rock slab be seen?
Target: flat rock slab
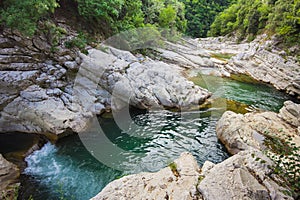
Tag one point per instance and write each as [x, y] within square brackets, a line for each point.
[164, 184]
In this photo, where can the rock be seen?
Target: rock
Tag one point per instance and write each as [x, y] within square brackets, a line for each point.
[9, 174]
[253, 59]
[164, 184]
[32, 83]
[240, 132]
[71, 65]
[36, 112]
[173, 57]
[41, 44]
[240, 177]
[290, 112]
[143, 85]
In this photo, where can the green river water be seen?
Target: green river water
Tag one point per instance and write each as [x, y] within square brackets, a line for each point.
[67, 170]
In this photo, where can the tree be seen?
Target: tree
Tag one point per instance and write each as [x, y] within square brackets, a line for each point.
[24, 14]
[201, 13]
[251, 17]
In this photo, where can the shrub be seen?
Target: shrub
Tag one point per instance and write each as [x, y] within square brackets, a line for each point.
[285, 154]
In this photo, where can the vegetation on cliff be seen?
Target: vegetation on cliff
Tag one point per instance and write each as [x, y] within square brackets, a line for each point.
[198, 18]
[249, 18]
[192, 17]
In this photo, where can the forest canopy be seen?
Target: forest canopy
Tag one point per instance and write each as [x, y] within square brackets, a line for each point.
[197, 18]
[192, 17]
[248, 18]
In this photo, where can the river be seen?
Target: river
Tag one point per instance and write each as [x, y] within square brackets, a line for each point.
[67, 170]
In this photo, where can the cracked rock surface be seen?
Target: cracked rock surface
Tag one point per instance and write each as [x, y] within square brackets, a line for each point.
[240, 132]
[46, 91]
[164, 184]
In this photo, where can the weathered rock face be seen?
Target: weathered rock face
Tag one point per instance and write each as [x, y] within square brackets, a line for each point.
[35, 85]
[46, 91]
[141, 84]
[290, 112]
[240, 177]
[164, 184]
[9, 173]
[240, 132]
[260, 60]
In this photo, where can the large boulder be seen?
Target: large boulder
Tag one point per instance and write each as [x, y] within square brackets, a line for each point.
[239, 132]
[35, 111]
[240, 177]
[290, 112]
[177, 182]
[143, 84]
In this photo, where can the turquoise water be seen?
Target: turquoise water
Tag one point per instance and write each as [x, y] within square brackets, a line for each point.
[258, 95]
[64, 171]
[67, 170]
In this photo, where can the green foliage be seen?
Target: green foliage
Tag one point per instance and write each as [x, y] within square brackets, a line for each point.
[285, 154]
[250, 17]
[222, 56]
[131, 15]
[53, 32]
[79, 42]
[173, 166]
[167, 17]
[201, 13]
[98, 16]
[98, 9]
[24, 14]
[12, 194]
[225, 22]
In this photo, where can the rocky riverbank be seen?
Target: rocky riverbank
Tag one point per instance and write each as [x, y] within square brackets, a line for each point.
[261, 59]
[53, 91]
[241, 176]
[240, 132]
[75, 86]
